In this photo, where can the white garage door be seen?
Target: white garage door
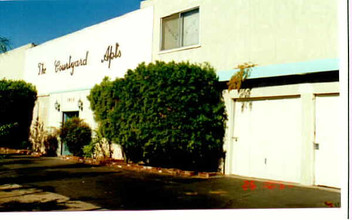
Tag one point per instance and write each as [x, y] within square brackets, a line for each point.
[267, 139]
[328, 128]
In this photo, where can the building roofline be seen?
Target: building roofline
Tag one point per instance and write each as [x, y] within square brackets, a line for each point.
[286, 69]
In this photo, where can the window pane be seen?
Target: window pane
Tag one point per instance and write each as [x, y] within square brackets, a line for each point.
[190, 28]
[170, 32]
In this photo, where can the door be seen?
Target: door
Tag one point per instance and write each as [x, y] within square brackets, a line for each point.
[66, 116]
[327, 127]
[267, 139]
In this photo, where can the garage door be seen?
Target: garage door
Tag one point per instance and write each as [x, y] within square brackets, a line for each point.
[327, 168]
[267, 139]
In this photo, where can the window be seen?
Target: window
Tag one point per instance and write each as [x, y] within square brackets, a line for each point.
[180, 30]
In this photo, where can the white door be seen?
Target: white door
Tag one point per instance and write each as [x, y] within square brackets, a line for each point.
[267, 139]
[328, 128]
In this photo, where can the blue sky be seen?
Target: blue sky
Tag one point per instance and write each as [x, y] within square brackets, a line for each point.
[37, 21]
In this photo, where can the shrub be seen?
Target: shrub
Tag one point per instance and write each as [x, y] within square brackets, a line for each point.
[17, 100]
[37, 136]
[99, 147]
[88, 151]
[43, 141]
[76, 134]
[103, 99]
[165, 114]
[51, 144]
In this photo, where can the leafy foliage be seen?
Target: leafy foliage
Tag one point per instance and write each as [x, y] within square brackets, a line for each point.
[6, 129]
[4, 44]
[76, 134]
[241, 75]
[51, 144]
[17, 100]
[88, 151]
[99, 147]
[37, 136]
[103, 99]
[164, 114]
[43, 141]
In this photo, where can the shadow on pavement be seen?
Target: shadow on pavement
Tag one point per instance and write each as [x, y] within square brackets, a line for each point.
[32, 206]
[23, 178]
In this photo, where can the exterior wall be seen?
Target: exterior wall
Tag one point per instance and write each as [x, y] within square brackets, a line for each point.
[85, 50]
[65, 69]
[12, 63]
[88, 47]
[261, 32]
[282, 38]
[307, 94]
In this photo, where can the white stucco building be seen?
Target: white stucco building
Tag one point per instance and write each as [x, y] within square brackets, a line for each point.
[289, 126]
[12, 63]
[65, 69]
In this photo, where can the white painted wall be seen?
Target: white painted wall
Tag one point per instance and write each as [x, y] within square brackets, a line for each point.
[133, 33]
[259, 31]
[265, 32]
[12, 63]
[294, 107]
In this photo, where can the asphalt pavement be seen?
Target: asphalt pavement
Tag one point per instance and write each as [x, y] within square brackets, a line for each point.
[30, 183]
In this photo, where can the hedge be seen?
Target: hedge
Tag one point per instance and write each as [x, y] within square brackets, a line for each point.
[17, 100]
[164, 114]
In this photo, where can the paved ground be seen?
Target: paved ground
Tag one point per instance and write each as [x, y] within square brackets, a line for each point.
[43, 184]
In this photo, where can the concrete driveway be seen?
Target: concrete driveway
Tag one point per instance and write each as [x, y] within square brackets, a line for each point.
[44, 184]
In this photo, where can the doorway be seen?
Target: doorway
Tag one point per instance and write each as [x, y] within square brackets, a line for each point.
[327, 125]
[267, 139]
[66, 116]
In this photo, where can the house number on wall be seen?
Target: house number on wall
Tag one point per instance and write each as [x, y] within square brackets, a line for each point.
[110, 55]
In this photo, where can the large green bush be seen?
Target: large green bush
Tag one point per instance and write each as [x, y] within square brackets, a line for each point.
[17, 100]
[103, 99]
[76, 134]
[164, 114]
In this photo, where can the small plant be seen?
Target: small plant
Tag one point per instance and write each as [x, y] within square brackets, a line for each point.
[76, 134]
[51, 144]
[37, 136]
[244, 71]
[42, 141]
[236, 81]
[88, 151]
[100, 147]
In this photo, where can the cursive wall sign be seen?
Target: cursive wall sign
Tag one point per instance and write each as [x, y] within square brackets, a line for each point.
[42, 69]
[110, 55]
[70, 65]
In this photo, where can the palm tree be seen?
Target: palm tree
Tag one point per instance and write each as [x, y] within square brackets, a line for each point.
[4, 44]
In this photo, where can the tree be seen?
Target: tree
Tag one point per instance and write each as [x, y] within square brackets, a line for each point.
[165, 114]
[4, 44]
[17, 100]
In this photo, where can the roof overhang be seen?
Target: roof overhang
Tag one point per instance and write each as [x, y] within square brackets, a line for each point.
[286, 69]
